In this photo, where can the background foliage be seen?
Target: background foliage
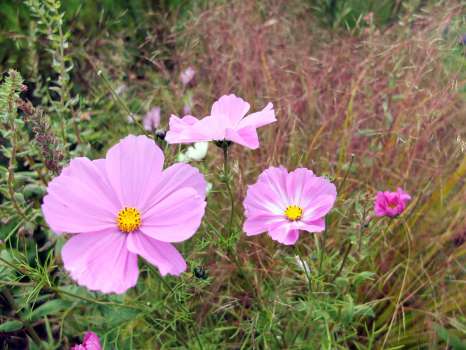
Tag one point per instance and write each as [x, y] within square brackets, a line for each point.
[371, 101]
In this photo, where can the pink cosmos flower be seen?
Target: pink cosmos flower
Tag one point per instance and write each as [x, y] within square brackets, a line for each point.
[151, 120]
[283, 204]
[90, 342]
[391, 203]
[187, 75]
[227, 121]
[123, 206]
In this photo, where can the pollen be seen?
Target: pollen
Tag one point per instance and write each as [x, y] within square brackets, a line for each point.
[293, 212]
[128, 219]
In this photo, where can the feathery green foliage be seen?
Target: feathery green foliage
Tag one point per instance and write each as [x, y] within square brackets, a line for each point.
[373, 110]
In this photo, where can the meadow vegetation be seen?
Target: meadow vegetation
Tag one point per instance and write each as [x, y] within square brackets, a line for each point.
[370, 94]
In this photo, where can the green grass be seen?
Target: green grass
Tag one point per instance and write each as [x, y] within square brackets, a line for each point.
[371, 111]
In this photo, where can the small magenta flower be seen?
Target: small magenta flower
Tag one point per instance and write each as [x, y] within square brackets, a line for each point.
[151, 120]
[391, 204]
[283, 204]
[187, 75]
[227, 121]
[90, 342]
[123, 206]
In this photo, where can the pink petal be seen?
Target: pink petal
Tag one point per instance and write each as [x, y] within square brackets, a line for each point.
[403, 195]
[298, 185]
[80, 199]
[291, 238]
[275, 179]
[151, 120]
[306, 189]
[318, 208]
[380, 204]
[78, 347]
[284, 233]
[91, 341]
[261, 200]
[257, 224]
[211, 128]
[313, 226]
[189, 130]
[258, 119]
[187, 75]
[134, 166]
[160, 254]
[100, 261]
[178, 125]
[174, 178]
[246, 136]
[231, 106]
[175, 218]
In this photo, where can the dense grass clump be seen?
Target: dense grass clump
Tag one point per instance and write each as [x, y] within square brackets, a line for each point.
[371, 97]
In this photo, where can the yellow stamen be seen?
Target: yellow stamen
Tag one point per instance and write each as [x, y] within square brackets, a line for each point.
[293, 212]
[128, 219]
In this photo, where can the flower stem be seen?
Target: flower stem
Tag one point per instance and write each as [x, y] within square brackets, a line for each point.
[194, 327]
[322, 247]
[305, 268]
[226, 177]
[345, 257]
[340, 186]
[120, 101]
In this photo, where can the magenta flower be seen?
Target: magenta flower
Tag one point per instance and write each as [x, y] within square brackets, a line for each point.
[391, 203]
[283, 204]
[123, 206]
[187, 75]
[90, 342]
[227, 121]
[151, 120]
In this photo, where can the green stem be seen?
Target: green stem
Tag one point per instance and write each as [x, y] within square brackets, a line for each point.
[305, 268]
[340, 186]
[345, 257]
[226, 175]
[193, 323]
[322, 247]
[122, 103]
[95, 301]
[362, 225]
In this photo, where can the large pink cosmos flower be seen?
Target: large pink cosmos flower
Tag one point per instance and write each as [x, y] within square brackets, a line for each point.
[90, 342]
[283, 204]
[391, 204]
[123, 206]
[227, 121]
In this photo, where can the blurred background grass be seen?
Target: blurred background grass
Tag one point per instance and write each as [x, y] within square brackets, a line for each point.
[379, 82]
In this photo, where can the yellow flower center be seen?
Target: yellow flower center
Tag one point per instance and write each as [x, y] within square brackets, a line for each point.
[293, 212]
[128, 219]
